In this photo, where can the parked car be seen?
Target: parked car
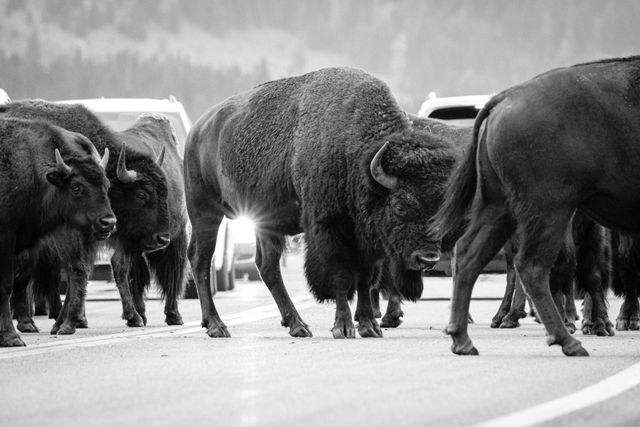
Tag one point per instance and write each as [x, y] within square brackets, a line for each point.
[121, 113]
[458, 111]
[4, 97]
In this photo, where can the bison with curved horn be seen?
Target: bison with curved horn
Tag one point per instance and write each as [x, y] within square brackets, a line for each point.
[47, 181]
[566, 140]
[330, 154]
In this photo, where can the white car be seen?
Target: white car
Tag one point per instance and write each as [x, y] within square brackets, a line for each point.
[458, 111]
[119, 114]
[4, 97]
[455, 110]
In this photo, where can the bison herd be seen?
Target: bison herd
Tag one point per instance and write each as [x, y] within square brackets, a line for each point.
[377, 192]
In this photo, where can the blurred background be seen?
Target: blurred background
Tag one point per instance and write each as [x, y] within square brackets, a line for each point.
[203, 51]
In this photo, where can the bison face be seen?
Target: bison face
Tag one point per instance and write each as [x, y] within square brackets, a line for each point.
[81, 196]
[409, 173]
[139, 198]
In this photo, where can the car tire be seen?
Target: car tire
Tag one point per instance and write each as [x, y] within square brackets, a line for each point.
[222, 277]
[447, 270]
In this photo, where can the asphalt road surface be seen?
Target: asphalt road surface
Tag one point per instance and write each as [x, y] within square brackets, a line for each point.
[111, 375]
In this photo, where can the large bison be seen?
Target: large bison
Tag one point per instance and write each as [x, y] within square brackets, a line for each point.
[329, 153]
[565, 140]
[49, 178]
[142, 199]
[152, 134]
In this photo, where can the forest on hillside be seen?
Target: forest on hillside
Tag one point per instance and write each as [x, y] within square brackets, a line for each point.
[87, 48]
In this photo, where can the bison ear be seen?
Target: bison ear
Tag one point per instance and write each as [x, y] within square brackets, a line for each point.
[61, 173]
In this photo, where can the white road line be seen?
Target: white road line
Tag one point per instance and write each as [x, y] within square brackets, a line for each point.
[247, 316]
[596, 393]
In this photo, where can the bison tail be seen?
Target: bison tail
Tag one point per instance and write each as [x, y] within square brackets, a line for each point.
[448, 224]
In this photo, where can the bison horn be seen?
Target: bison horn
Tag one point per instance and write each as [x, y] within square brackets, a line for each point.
[122, 173]
[89, 147]
[160, 157]
[61, 165]
[105, 159]
[378, 173]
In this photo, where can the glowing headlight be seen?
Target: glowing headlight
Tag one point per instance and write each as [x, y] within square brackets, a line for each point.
[244, 230]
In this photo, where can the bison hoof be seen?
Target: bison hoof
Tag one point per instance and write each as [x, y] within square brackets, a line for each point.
[135, 321]
[173, 319]
[369, 329]
[343, 330]
[508, 323]
[496, 321]
[82, 323]
[466, 349]
[11, 339]
[27, 326]
[66, 329]
[300, 330]
[627, 325]
[574, 349]
[219, 331]
[391, 320]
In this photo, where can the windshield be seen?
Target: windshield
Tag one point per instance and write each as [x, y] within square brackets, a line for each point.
[457, 116]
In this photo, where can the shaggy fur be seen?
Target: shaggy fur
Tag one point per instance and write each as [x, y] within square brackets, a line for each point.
[562, 141]
[36, 197]
[140, 220]
[295, 153]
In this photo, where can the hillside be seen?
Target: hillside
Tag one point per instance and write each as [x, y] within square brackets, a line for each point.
[205, 50]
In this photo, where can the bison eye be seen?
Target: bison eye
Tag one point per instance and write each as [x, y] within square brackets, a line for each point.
[141, 195]
[76, 189]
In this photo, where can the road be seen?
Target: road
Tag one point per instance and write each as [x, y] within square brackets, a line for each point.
[110, 375]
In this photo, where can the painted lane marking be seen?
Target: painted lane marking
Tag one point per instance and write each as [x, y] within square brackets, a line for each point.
[588, 396]
[247, 316]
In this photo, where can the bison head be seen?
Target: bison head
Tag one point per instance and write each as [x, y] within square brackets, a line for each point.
[139, 198]
[81, 188]
[408, 173]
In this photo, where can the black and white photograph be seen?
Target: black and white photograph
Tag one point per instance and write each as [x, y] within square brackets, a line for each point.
[312, 213]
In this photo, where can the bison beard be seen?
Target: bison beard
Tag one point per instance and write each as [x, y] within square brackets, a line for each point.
[329, 153]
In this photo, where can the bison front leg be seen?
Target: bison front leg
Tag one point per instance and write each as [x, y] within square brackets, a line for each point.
[121, 266]
[8, 335]
[367, 324]
[268, 252]
[393, 316]
[73, 309]
[22, 305]
[343, 326]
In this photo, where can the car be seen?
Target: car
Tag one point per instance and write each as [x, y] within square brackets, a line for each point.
[121, 113]
[458, 111]
[4, 97]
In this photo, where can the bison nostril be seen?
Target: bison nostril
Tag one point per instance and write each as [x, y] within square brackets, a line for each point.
[163, 239]
[108, 222]
[424, 260]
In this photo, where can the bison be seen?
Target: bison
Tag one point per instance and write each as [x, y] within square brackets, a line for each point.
[140, 198]
[563, 141]
[330, 154]
[49, 178]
